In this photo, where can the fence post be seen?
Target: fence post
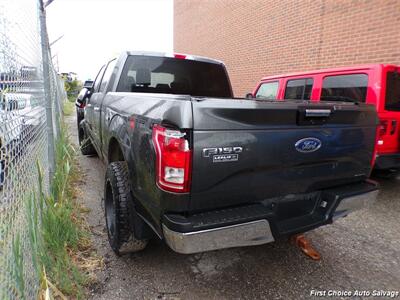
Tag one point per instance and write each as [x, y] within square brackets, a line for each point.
[47, 91]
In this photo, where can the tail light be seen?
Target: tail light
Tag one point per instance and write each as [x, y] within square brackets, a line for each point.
[393, 127]
[80, 103]
[383, 127]
[173, 160]
[381, 131]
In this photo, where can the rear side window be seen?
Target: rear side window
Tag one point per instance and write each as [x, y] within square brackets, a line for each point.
[351, 88]
[268, 90]
[299, 89]
[153, 74]
[392, 91]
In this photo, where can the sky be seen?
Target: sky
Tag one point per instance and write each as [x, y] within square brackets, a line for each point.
[95, 31]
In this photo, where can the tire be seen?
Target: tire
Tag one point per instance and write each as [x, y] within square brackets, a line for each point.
[117, 198]
[79, 117]
[85, 144]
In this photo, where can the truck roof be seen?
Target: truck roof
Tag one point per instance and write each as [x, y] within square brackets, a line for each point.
[176, 55]
[328, 70]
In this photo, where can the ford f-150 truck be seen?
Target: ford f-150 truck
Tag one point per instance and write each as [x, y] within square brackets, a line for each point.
[190, 164]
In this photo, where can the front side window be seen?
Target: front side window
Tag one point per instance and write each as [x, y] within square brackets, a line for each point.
[299, 89]
[97, 81]
[107, 75]
[268, 90]
[392, 91]
[350, 88]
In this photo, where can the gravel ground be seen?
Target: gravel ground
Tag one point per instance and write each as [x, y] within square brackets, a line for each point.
[360, 252]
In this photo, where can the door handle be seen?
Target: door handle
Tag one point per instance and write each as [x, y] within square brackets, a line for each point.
[318, 113]
[96, 108]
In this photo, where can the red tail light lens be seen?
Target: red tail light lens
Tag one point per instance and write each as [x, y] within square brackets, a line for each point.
[173, 160]
[80, 103]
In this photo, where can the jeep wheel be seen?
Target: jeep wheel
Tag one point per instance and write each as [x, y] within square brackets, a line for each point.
[117, 198]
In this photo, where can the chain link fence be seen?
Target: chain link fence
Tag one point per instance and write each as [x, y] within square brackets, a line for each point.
[31, 96]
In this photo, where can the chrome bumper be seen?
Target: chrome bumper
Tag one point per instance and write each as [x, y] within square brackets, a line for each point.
[351, 204]
[245, 234]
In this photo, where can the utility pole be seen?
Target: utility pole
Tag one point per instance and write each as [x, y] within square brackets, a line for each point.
[47, 89]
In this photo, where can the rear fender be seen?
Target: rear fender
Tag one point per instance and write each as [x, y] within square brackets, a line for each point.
[119, 138]
[117, 131]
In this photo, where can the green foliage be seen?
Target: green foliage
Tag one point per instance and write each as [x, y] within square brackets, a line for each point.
[61, 232]
[72, 87]
[68, 108]
[18, 266]
[54, 229]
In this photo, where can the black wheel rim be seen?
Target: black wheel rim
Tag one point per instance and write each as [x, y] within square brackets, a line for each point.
[110, 211]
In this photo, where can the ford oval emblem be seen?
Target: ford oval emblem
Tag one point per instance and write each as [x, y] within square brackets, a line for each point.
[308, 145]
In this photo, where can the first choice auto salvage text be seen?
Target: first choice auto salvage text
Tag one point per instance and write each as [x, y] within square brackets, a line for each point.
[355, 293]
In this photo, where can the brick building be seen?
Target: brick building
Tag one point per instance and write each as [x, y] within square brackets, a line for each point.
[256, 38]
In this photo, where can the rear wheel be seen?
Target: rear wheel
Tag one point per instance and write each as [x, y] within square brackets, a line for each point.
[117, 198]
[85, 144]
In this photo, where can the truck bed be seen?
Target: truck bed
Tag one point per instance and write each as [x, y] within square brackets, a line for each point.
[269, 164]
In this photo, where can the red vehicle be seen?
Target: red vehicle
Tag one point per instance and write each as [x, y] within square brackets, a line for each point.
[376, 84]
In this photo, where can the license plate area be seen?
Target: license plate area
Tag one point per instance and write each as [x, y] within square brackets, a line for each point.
[294, 206]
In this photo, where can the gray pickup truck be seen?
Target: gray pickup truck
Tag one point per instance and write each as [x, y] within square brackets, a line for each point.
[190, 164]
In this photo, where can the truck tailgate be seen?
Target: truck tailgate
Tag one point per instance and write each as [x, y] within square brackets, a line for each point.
[247, 151]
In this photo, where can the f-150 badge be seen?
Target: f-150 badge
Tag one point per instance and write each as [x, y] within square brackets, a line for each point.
[223, 154]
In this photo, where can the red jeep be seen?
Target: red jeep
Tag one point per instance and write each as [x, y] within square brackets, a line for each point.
[376, 84]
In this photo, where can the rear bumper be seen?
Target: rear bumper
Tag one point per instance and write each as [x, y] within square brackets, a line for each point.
[262, 223]
[244, 234]
[387, 161]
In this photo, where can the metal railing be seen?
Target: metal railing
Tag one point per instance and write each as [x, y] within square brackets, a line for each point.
[31, 96]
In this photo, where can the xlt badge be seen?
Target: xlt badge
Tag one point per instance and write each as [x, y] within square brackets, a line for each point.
[223, 154]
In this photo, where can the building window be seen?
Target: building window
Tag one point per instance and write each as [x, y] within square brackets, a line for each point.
[392, 91]
[345, 88]
[268, 90]
[299, 89]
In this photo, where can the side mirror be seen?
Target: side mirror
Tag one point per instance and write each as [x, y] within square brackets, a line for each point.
[249, 96]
